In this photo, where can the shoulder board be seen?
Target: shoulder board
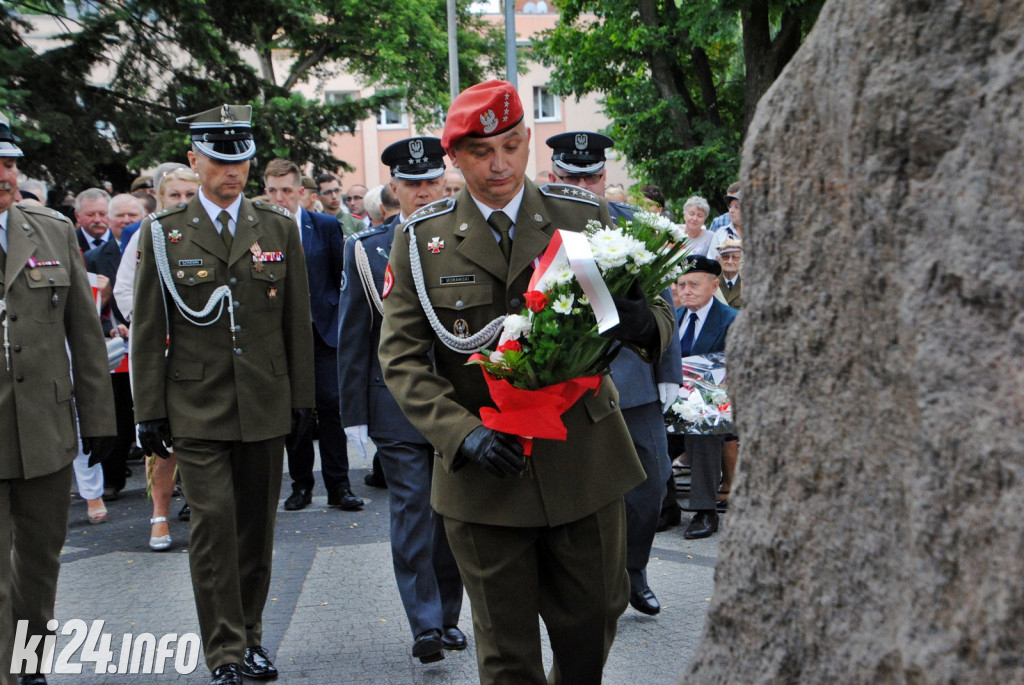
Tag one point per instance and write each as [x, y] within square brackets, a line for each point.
[271, 207]
[433, 209]
[43, 211]
[367, 232]
[568, 192]
[180, 207]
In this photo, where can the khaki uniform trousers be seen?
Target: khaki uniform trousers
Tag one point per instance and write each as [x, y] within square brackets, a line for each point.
[233, 489]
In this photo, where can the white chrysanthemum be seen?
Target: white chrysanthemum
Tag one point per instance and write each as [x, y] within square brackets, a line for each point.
[656, 221]
[611, 248]
[563, 305]
[593, 225]
[558, 274]
[677, 231]
[641, 255]
[516, 326]
[691, 408]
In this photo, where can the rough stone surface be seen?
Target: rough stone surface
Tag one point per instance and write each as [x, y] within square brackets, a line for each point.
[877, 525]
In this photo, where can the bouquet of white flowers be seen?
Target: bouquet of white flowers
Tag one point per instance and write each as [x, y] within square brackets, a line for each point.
[553, 351]
[703, 406]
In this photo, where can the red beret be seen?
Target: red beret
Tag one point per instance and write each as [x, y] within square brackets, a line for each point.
[486, 109]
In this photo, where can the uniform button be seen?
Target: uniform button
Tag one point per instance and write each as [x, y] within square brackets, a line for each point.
[233, 281]
[177, 374]
[12, 317]
[238, 352]
[612, 403]
[459, 304]
[19, 378]
[271, 276]
[52, 281]
[238, 329]
[191, 280]
[236, 304]
[17, 348]
[514, 303]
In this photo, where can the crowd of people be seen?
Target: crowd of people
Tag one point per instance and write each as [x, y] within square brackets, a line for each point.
[249, 320]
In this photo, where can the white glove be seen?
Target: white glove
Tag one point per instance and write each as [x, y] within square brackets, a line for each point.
[667, 393]
[358, 436]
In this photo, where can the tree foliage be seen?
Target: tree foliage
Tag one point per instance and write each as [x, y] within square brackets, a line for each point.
[679, 79]
[169, 58]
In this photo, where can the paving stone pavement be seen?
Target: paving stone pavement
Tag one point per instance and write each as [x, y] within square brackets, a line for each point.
[334, 614]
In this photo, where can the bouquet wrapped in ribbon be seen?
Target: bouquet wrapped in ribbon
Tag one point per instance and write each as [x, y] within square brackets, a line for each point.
[553, 351]
[703, 406]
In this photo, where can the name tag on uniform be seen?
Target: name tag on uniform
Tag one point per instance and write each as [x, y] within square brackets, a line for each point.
[451, 280]
[190, 262]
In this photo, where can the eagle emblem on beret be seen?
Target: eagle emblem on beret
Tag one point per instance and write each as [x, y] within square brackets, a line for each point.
[489, 121]
[416, 148]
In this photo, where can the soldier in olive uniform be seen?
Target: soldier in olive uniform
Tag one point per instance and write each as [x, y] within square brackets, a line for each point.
[46, 311]
[551, 542]
[223, 359]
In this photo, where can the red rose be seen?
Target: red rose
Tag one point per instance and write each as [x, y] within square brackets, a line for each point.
[536, 300]
[510, 345]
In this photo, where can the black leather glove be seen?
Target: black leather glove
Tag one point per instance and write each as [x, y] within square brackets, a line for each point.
[636, 321]
[500, 454]
[99, 448]
[300, 423]
[155, 437]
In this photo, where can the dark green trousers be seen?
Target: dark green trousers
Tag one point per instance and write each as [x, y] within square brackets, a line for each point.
[233, 489]
[573, 576]
[33, 526]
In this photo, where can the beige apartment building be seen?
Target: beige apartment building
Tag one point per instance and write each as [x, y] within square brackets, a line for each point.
[546, 114]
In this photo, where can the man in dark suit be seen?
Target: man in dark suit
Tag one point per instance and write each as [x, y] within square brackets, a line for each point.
[703, 324]
[428, 578]
[646, 390]
[104, 261]
[91, 207]
[222, 353]
[45, 304]
[323, 245]
[550, 543]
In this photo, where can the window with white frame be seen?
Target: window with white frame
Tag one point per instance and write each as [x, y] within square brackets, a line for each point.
[393, 115]
[546, 105]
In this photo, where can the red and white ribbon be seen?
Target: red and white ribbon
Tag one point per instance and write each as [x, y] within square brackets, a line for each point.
[574, 249]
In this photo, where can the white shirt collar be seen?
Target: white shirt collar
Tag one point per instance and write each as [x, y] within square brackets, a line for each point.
[511, 209]
[3, 226]
[702, 316]
[214, 211]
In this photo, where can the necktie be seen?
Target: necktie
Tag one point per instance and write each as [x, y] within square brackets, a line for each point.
[3, 252]
[225, 234]
[97, 241]
[500, 222]
[686, 344]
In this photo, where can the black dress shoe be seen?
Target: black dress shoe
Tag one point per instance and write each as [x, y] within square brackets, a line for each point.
[454, 639]
[344, 499]
[186, 513]
[299, 499]
[375, 481]
[36, 679]
[645, 602]
[228, 674]
[703, 525]
[257, 664]
[428, 646]
[668, 518]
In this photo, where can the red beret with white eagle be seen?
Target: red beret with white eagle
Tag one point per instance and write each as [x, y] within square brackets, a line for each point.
[486, 109]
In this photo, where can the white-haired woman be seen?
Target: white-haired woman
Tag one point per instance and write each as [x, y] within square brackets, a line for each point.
[699, 239]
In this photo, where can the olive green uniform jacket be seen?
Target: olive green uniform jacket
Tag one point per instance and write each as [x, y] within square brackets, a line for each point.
[208, 383]
[48, 304]
[470, 284]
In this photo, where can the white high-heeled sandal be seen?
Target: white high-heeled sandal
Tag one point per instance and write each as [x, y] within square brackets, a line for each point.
[163, 542]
